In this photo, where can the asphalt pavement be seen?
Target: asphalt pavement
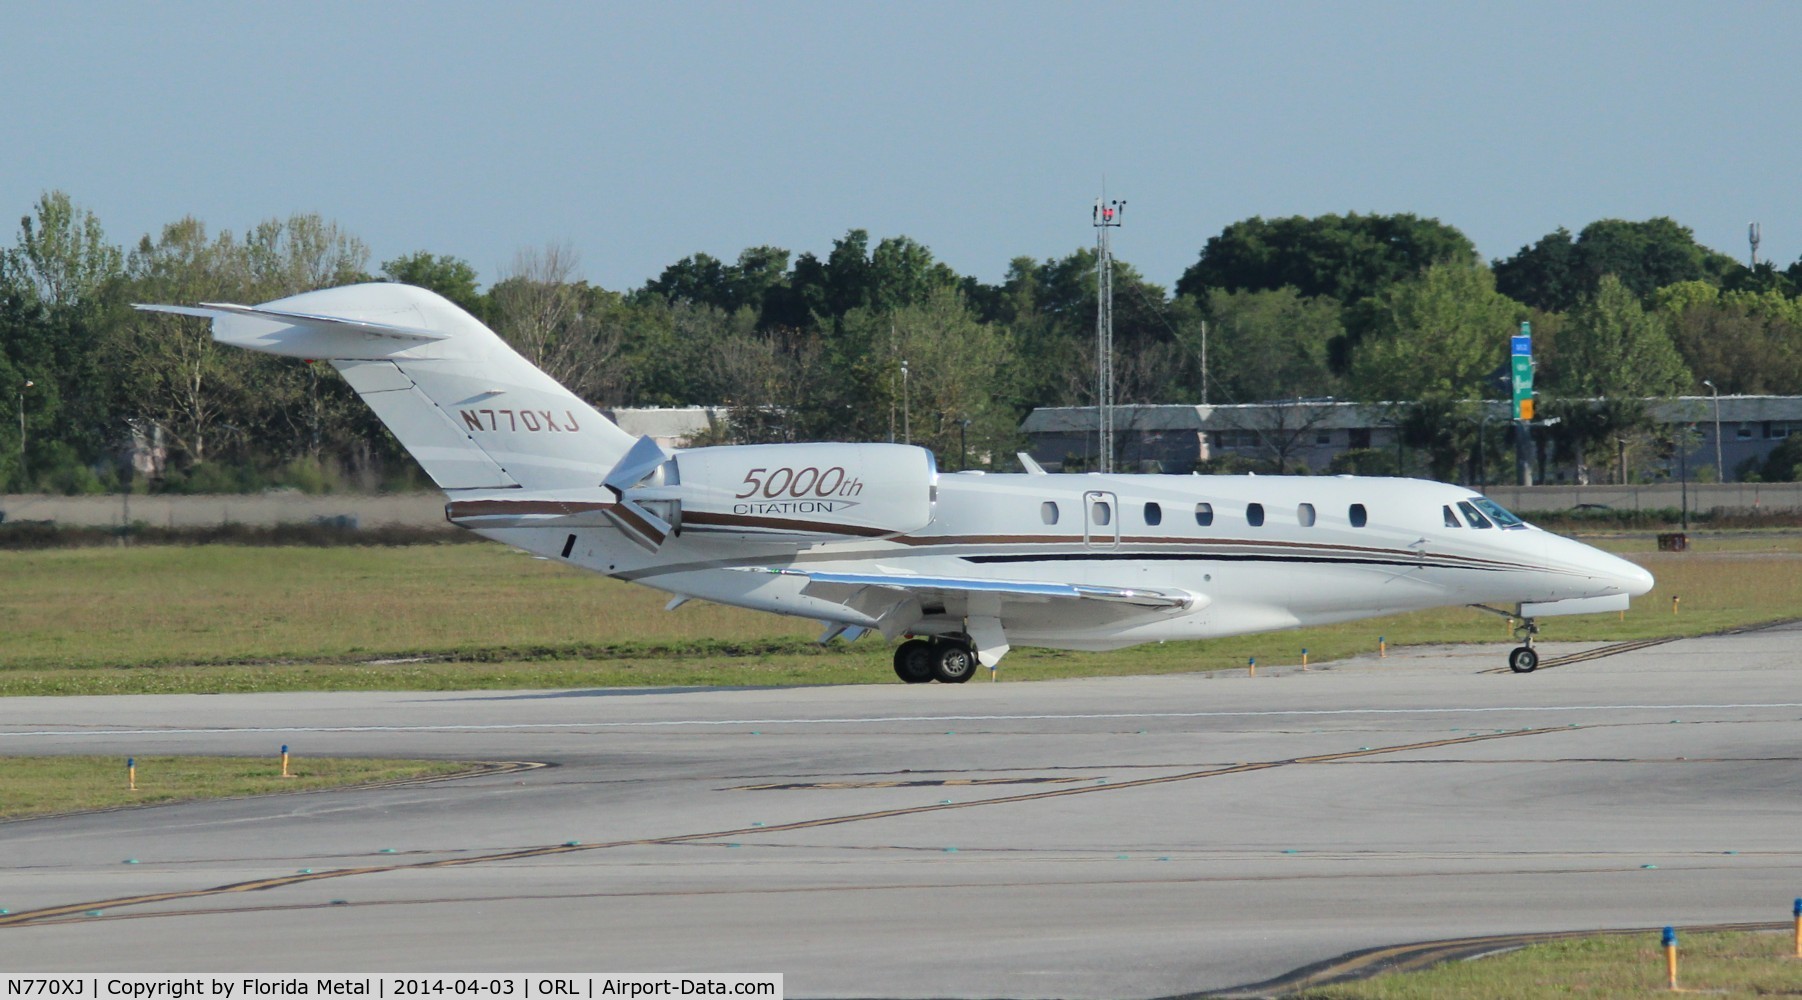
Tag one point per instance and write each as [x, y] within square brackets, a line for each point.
[1128, 837]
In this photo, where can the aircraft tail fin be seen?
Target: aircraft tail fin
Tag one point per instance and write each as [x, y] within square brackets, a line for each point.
[473, 412]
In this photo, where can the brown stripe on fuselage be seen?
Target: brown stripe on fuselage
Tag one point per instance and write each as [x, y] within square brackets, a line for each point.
[1070, 549]
[630, 518]
[518, 508]
[936, 541]
[781, 524]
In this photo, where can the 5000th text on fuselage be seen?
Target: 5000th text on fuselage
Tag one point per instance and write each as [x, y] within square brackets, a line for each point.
[805, 482]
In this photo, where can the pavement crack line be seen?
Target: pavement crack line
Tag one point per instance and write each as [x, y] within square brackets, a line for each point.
[1368, 962]
[96, 908]
[1632, 645]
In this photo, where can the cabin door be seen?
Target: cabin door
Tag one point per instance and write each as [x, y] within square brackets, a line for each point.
[1100, 520]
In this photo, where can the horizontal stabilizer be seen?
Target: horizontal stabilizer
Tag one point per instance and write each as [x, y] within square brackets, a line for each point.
[303, 335]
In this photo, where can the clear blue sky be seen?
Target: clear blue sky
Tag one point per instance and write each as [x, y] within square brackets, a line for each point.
[641, 133]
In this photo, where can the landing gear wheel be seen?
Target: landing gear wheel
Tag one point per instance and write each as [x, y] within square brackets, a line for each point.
[953, 663]
[914, 661]
[1524, 660]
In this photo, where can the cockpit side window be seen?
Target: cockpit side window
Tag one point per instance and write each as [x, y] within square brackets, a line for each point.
[1474, 516]
[1451, 519]
[1497, 513]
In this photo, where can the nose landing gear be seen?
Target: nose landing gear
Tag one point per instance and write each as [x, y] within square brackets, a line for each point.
[1524, 659]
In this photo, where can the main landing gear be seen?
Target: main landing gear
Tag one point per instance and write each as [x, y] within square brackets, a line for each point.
[946, 659]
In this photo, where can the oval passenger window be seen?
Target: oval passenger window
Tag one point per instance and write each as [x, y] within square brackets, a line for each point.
[1154, 514]
[1254, 515]
[1048, 512]
[1204, 514]
[1358, 517]
[1305, 515]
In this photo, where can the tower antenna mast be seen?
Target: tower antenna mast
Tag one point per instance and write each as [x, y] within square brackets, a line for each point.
[1106, 218]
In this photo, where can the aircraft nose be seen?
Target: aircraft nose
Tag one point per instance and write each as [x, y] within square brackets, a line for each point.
[1635, 579]
[1628, 577]
[1616, 575]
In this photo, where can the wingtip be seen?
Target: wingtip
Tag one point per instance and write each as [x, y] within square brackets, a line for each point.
[177, 310]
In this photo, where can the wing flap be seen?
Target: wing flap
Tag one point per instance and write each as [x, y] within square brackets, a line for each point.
[1030, 589]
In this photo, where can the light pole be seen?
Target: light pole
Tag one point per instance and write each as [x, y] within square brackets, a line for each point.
[1483, 452]
[23, 476]
[907, 434]
[1720, 471]
[1683, 467]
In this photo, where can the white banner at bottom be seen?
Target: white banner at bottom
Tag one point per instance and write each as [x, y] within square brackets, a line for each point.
[388, 986]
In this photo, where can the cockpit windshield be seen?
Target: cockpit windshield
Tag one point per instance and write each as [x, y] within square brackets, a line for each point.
[1497, 513]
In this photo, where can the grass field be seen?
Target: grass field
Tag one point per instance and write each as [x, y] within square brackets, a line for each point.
[36, 786]
[1734, 965]
[227, 618]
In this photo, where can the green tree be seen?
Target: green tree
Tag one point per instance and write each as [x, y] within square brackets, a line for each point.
[1439, 335]
[684, 353]
[897, 272]
[1559, 271]
[1050, 307]
[1743, 341]
[1587, 432]
[1546, 275]
[56, 285]
[702, 279]
[1443, 430]
[1269, 344]
[299, 254]
[957, 371]
[904, 273]
[451, 277]
[1613, 347]
[215, 404]
[1784, 463]
[62, 256]
[1343, 257]
[559, 322]
[181, 380]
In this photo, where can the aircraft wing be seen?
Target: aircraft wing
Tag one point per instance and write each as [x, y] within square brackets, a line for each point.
[897, 600]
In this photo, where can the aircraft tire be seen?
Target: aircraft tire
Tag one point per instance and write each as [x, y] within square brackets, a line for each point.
[914, 660]
[954, 663]
[1524, 660]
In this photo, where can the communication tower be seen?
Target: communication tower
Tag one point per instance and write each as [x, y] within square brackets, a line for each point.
[1754, 236]
[1106, 217]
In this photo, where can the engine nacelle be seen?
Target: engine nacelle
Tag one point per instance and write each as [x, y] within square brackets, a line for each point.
[793, 492]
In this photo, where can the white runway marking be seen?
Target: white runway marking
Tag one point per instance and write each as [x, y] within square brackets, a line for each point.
[872, 720]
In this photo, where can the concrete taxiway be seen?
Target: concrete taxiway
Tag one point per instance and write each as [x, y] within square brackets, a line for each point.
[1133, 837]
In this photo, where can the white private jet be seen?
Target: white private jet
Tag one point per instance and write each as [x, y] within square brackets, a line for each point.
[873, 537]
